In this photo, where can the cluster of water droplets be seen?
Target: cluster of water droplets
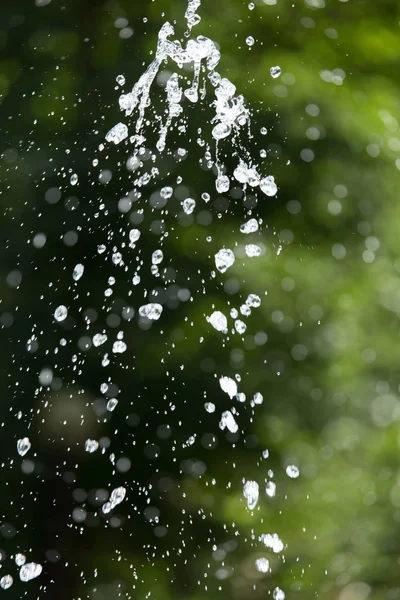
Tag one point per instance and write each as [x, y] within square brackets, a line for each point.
[230, 117]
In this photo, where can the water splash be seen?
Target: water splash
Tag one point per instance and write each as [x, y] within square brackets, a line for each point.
[230, 118]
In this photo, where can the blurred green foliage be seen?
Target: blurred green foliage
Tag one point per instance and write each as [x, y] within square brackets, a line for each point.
[327, 351]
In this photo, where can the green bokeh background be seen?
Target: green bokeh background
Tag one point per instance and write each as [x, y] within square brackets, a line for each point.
[327, 348]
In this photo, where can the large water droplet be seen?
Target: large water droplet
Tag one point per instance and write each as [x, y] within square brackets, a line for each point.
[188, 205]
[292, 471]
[99, 339]
[6, 582]
[117, 134]
[227, 421]
[78, 271]
[228, 386]
[268, 186]
[251, 492]
[151, 311]
[221, 131]
[61, 313]
[250, 227]
[23, 446]
[218, 321]
[224, 259]
[262, 565]
[91, 446]
[30, 571]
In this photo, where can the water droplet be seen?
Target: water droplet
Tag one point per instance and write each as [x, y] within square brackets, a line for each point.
[210, 407]
[224, 259]
[151, 311]
[251, 492]
[61, 313]
[250, 40]
[218, 321]
[253, 300]
[30, 571]
[268, 186]
[117, 134]
[227, 421]
[157, 257]
[292, 471]
[78, 271]
[111, 404]
[222, 184]
[20, 559]
[119, 347]
[228, 386]
[166, 192]
[252, 250]
[91, 446]
[245, 310]
[120, 79]
[275, 72]
[117, 496]
[240, 326]
[278, 594]
[6, 582]
[250, 227]
[74, 179]
[272, 541]
[221, 131]
[251, 6]
[23, 446]
[270, 489]
[99, 339]
[262, 565]
[258, 398]
[134, 235]
[189, 205]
